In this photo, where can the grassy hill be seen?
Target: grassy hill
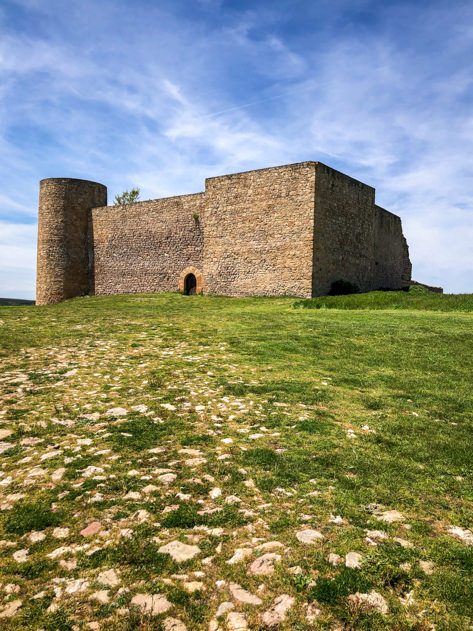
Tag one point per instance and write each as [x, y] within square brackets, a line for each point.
[326, 452]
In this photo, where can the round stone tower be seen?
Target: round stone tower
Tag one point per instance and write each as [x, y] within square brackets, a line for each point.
[63, 225]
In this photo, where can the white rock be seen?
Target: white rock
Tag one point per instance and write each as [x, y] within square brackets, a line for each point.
[109, 578]
[373, 600]
[372, 536]
[150, 488]
[353, 560]
[174, 624]
[20, 556]
[243, 596]
[57, 474]
[153, 604]
[391, 516]
[236, 621]
[51, 454]
[193, 586]
[462, 533]
[278, 610]
[264, 565]
[11, 608]
[269, 545]
[427, 566]
[240, 554]
[102, 596]
[74, 586]
[232, 499]
[309, 536]
[167, 478]
[35, 536]
[132, 495]
[194, 462]
[334, 559]
[116, 412]
[313, 612]
[58, 552]
[179, 551]
[215, 492]
[223, 608]
[139, 408]
[60, 533]
[190, 452]
[91, 470]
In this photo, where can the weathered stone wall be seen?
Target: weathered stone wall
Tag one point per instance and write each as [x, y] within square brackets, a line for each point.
[392, 267]
[62, 269]
[258, 237]
[293, 229]
[144, 247]
[344, 231]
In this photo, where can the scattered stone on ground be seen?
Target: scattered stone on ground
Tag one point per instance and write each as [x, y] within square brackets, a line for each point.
[370, 601]
[243, 596]
[278, 610]
[264, 564]
[309, 536]
[173, 624]
[11, 608]
[353, 559]
[153, 604]
[236, 621]
[179, 551]
[91, 529]
[462, 533]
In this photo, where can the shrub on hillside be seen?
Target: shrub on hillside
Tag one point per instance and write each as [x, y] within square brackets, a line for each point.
[343, 288]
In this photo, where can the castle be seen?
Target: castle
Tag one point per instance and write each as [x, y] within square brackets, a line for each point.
[291, 229]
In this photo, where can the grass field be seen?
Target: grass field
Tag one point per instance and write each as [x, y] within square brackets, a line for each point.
[233, 426]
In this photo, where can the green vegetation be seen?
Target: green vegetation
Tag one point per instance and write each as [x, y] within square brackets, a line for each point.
[227, 423]
[417, 298]
[127, 197]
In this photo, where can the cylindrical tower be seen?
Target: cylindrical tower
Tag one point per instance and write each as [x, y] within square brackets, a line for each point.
[63, 258]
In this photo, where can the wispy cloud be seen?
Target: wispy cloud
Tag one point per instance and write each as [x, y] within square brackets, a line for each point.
[162, 95]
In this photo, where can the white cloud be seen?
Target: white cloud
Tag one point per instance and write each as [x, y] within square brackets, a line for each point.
[162, 100]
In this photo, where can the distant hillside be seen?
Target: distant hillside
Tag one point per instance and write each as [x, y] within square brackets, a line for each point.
[14, 302]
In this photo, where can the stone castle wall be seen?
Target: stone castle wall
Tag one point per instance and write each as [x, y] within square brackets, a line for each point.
[258, 236]
[293, 229]
[392, 267]
[344, 231]
[64, 205]
[144, 247]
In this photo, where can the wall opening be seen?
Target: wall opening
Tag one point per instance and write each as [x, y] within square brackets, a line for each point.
[190, 281]
[190, 285]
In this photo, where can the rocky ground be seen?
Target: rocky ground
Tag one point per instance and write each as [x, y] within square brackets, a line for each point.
[152, 479]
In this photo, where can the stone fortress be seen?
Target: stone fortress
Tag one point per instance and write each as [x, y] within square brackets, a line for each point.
[292, 229]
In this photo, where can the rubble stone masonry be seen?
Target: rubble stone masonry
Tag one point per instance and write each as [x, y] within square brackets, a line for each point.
[292, 230]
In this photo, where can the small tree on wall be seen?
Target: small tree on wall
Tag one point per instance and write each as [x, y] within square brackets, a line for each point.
[127, 197]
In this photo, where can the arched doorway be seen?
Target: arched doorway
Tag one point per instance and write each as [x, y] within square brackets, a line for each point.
[190, 281]
[190, 285]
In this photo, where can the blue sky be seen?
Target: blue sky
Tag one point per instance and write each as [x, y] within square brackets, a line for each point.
[161, 94]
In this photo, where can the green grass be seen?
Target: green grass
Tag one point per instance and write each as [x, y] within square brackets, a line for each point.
[416, 298]
[298, 411]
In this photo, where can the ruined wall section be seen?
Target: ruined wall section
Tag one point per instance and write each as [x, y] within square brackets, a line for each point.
[392, 267]
[259, 232]
[344, 231]
[144, 247]
[63, 265]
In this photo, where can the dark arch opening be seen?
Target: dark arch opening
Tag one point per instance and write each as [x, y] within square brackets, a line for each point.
[190, 285]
